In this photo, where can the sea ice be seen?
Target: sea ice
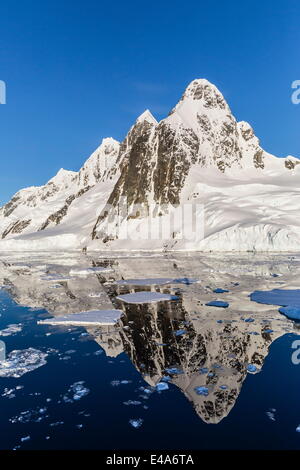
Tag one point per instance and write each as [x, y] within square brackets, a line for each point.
[132, 402]
[162, 386]
[146, 297]
[19, 362]
[156, 281]
[283, 297]
[30, 416]
[76, 392]
[11, 330]
[55, 278]
[218, 303]
[90, 317]
[136, 423]
[174, 371]
[251, 368]
[291, 312]
[180, 332]
[87, 271]
[145, 282]
[201, 391]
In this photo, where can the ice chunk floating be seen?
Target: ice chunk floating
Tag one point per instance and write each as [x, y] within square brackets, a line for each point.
[291, 312]
[91, 317]
[281, 297]
[19, 362]
[87, 271]
[146, 297]
[218, 303]
[288, 299]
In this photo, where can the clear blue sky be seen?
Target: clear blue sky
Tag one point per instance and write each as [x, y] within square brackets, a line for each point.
[80, 70]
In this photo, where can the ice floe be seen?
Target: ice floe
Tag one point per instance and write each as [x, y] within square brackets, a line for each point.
[251, 368]
[90, 317]
[146, 297]
[180, 332]
[19, 362]
[11, 330]
[283, 297]
[30, 416]
[136, 423]
[162, 386]
[156, 281]
[289, 299]
[217, 303]
[201, 391]
[132, 402]
[76, 391]
[291, 312]
[87, 271]
[55, 278]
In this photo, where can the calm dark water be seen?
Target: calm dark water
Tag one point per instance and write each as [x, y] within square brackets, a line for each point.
[43, 414]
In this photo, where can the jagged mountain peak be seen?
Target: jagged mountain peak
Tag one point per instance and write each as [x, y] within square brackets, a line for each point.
[147, 116]
[99, 163]
[200, 93]
[63, 176]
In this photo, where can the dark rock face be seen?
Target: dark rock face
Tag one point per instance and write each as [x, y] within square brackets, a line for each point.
[57, 217]
[258, 159]
[16, 227]
[291, 164]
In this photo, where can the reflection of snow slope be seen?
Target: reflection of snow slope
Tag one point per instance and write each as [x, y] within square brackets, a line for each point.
[217, 341]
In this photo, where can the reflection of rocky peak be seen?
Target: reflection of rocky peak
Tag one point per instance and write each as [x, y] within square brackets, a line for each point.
[223, 341]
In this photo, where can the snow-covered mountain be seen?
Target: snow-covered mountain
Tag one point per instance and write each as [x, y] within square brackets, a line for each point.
[198, 159]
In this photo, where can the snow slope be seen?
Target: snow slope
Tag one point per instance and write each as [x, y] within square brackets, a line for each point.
[197, 180]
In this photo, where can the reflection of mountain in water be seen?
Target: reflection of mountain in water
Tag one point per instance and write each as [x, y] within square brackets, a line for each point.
[220, 342]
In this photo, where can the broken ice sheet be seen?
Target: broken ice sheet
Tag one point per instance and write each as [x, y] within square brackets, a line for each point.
[76, 391]
[217, 303]
[19, 362]
[201, 391]
[174, 371]
[251, 368]
[162, 386]
[180, 332]
[10, 392]
[87, 271]
[90, 317]
[36, 415]
[271, 414]
[11, 330]
[145, 297]
[136, 423]
[132, 402]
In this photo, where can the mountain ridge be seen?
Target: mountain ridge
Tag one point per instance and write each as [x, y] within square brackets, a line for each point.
[198, 154]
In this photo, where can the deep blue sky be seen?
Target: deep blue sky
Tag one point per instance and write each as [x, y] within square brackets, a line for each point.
[80, 70]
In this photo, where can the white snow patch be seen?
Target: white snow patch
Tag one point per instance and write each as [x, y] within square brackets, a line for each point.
[146, 297]
[90, 317]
